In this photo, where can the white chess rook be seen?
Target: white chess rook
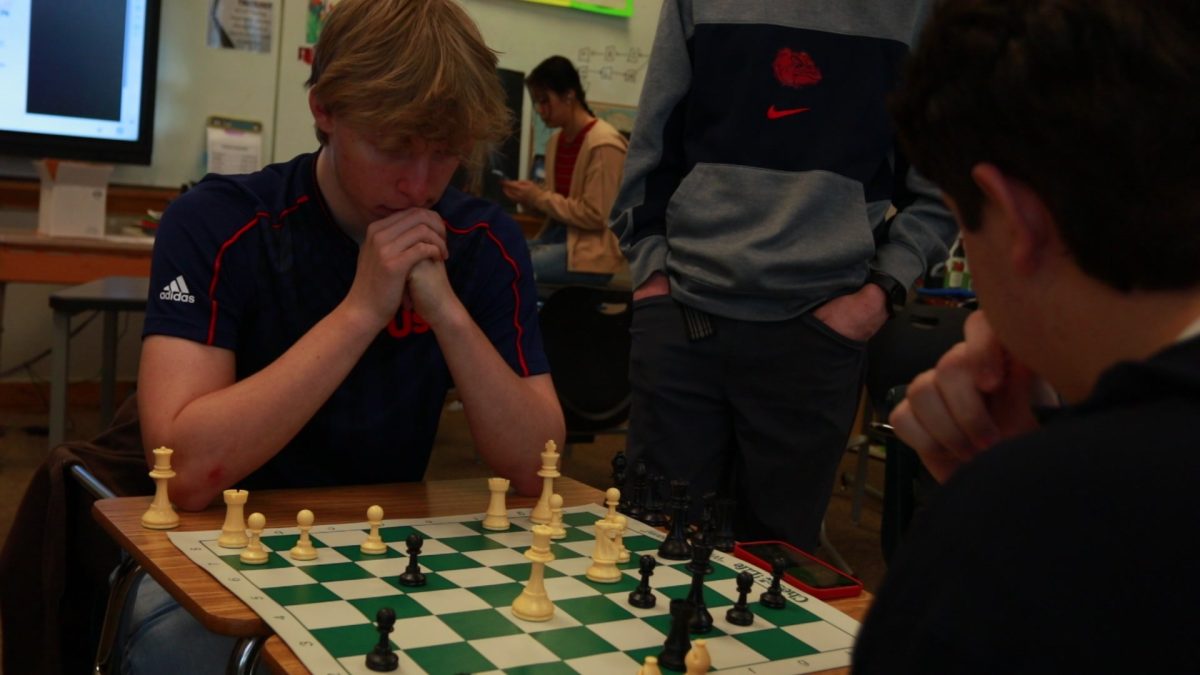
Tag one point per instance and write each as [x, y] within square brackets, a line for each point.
[497, 512]
[160, 515]
[233, 532]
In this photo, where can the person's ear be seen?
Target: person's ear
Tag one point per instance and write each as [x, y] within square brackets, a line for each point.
[320, 113]
[1028, 223]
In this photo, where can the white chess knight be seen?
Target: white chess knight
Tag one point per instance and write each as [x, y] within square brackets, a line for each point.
[549, 471]
[497, 512]
[533, 604]
[373, 545]
[233, 532]
[604, 558]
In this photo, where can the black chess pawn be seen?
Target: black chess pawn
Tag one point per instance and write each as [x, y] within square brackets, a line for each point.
[619, 464]
[655, 516]
[637, 505]
[676, 546]
[701, 541]
[382, 658]
[678, 643]
[412, 575]
[707, 513]
[641, 597]
[773, 596]
[723, 532]
[701, 621]
[740, 614]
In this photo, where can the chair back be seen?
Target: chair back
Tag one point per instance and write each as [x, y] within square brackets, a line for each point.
[585, 331]
[910, 343]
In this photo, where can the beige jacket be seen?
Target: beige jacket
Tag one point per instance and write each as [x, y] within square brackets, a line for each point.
[591, 246]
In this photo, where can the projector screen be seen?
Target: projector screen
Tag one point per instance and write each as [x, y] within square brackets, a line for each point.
[78, 79]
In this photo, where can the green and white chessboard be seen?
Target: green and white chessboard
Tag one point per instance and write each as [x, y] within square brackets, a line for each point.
[461, 621]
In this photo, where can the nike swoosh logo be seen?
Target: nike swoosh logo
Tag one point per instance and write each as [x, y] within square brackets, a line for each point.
[773, 114]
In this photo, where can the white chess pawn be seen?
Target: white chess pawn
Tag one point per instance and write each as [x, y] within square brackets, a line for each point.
[557, 531]
[497, 512]
[533, 604]
[304, 550]
[619, 522]
[374, 543]
[233, 532]
[549, 471]
[254, 553]
[612, 497]
[160, 515]
[697, 660]
[650, 667]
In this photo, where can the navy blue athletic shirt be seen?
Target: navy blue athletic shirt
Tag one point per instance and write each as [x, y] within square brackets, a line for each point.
[250, 263]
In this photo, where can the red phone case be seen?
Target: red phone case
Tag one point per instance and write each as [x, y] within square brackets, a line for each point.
[852, 588]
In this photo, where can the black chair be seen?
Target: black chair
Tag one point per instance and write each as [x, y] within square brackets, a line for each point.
[585, 330]
[911, 342]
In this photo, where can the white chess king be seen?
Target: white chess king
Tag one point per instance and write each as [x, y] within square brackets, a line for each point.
[160, 515]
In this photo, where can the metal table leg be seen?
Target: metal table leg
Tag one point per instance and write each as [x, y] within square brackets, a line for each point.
[127, 574]
[108, 368]
[245, 656]
[60, 359]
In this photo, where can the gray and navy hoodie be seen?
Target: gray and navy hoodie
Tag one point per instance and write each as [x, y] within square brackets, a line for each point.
[763, 162]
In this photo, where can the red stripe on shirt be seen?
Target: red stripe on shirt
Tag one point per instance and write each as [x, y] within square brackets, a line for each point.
[212, 287]
[515, 289]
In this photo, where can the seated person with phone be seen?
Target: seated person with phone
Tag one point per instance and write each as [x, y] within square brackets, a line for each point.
[584, 162]
[1061, 541]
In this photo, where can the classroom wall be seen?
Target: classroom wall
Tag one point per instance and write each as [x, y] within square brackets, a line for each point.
[196, 81]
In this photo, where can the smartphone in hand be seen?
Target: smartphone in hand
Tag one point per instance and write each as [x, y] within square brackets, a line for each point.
[500, 174]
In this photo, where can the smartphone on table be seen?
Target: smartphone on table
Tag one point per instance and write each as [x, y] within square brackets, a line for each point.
[806, 572]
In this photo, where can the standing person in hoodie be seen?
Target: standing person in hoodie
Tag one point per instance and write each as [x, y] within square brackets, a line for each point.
[757, 215]
[584, 158]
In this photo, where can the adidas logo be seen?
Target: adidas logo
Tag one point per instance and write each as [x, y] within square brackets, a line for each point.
[177, 291]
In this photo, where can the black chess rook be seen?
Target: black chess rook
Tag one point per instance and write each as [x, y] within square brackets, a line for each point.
[678, 643]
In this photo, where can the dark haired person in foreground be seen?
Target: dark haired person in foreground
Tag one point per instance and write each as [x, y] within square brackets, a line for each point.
[1064, 135]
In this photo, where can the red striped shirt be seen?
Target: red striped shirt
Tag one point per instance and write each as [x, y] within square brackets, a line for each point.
[564, 160]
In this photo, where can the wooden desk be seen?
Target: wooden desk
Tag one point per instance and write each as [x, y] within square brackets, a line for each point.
[110, 295]
[222, 612]
[28, 257]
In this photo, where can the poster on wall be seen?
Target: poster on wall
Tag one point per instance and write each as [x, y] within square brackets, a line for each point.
[241, 24]
[611, 7]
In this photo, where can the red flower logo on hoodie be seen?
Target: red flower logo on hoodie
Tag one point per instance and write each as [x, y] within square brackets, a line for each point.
[796, 69]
